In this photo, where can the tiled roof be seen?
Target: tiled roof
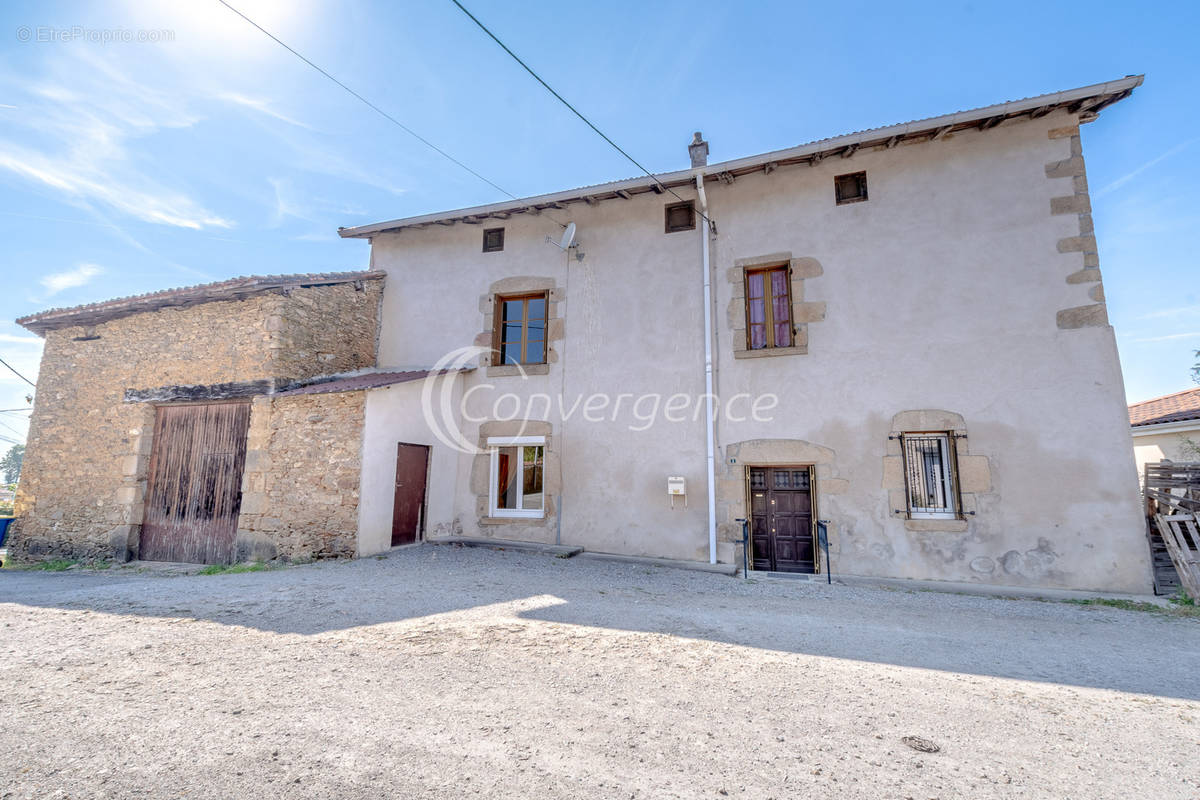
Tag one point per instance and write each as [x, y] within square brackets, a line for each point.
[366, 380]
[233, 289]
[1178, 407]
[1086, 101]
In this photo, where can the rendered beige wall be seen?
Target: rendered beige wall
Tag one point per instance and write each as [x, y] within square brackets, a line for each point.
[943, 291]
[393, 415]
[1171, 445]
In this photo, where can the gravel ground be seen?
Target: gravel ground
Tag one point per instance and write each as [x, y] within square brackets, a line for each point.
[445, 672]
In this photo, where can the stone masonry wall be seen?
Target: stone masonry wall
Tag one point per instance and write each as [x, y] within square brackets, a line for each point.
[82, 488]
[300, 488]
[326, 329]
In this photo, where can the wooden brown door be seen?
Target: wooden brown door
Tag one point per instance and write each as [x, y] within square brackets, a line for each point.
[194, 490]
[781, 519]
[408, 513]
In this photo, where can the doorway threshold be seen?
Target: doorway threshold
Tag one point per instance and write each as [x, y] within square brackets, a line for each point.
[807, 577]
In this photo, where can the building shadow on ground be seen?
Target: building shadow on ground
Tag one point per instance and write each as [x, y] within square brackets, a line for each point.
[1017, 639]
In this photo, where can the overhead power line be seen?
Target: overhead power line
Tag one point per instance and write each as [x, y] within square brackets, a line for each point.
[11, 428]
[19, 375]
[573, 109]
[371, 105]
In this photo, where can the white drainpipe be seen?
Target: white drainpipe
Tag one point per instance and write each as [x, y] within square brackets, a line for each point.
[710, 421]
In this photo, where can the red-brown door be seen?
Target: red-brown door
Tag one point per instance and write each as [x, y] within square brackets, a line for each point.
[408, 513]
[194, 490]
[781, 519]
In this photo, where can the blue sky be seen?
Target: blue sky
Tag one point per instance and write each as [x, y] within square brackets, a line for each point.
[127, 167]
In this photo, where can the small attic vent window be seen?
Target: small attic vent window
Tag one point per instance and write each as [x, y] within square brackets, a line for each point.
[681, 217]
[850, 188]
[493, 240]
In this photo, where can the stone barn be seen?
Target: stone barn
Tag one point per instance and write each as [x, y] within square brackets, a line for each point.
[176, 426]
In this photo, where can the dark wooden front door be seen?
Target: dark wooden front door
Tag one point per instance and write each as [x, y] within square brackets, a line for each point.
[408, 513]
[194, 490]
[781, 519]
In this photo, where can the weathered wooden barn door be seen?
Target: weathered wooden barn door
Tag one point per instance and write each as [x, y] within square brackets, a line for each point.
[781, 519]
[195, 483]
[412, 464]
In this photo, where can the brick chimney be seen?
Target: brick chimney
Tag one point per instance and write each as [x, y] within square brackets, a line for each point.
[698, 150]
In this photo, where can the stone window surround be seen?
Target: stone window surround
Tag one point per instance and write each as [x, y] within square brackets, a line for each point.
[973, 472]
[537, 528]
[802, 312]
[494, 445]
[521, 284]
[731, 480]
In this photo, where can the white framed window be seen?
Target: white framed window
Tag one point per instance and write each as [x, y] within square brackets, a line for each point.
[515, 487]
[929, 475]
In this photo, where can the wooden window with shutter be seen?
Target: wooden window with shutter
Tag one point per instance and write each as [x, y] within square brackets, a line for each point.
[520, 334]
[681, 217]
[851, 188]
[493, 240]
[769, 308]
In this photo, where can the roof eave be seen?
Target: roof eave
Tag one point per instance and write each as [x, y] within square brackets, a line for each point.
[1169, 426]
[233, 289]
[1086, 99]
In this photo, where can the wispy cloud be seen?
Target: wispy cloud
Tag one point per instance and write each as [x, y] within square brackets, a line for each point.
[79, 276]
[1169, 337]
[1167, 313]
[1124, 179]
[10, 338]
[76, 142]
[262, 107]
[7, 106]
[290, 202]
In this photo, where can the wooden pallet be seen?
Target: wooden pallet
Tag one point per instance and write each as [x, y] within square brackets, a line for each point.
[1166, 579]
[1173, 498]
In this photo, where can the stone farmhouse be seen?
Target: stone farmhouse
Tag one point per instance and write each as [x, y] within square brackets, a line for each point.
[164, 427]
[897, 336]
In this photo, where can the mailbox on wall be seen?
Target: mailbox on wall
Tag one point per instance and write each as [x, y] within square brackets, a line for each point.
[677, 487]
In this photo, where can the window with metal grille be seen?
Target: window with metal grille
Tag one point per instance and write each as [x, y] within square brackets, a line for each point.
[681, 217]
[493, 240]
[768, 308]
[929, 475]
[851, 188]
[520, 335]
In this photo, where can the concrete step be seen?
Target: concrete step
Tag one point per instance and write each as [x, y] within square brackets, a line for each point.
[668, 563]
[560, 551]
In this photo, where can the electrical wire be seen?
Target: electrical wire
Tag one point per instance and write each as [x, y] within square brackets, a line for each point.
[19, 375]
[11, 428]
[372, 106]
[574, 110]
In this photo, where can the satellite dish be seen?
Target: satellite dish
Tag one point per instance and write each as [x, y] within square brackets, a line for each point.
[568, 237]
